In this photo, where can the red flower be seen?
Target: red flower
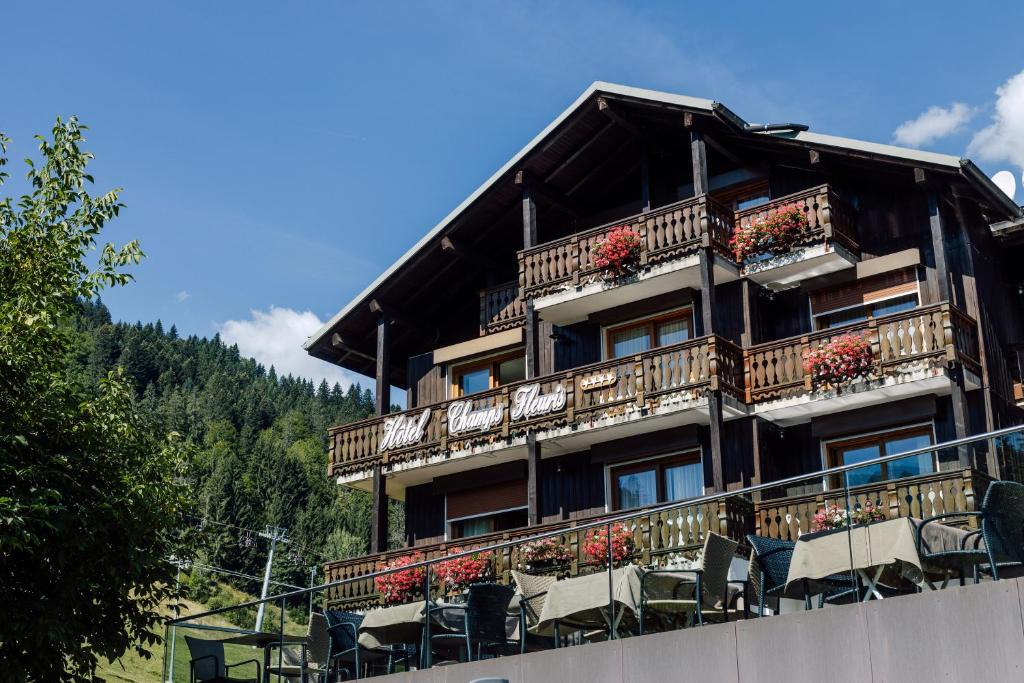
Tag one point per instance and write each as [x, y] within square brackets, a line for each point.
[595, 545]
[841, 360]
[401, 586]
[619, 252]
[773, 234]
[459, 572]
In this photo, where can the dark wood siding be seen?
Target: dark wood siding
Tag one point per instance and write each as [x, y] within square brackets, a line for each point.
[426, 381]
[575, 345]
[571, 487]
[424, 515]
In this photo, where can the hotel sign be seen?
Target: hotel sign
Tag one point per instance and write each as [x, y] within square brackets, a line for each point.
[528, 402]
[462, 417]
[403, 430]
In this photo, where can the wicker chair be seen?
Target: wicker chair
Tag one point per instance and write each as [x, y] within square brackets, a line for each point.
[207, 663]
[1002, 530]
[346, 655]
[483, 623]
[772, 557]
[710, 590]
[533, 591]
[318, 654]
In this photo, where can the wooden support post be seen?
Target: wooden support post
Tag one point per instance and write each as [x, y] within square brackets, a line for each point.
[750, 335]
[699, 157]
[532, 481]
[532, 339]
[645, 178]
[939, 246]
[383, 364]
[529, 217]
[960, 414]
[707, 289]
[715, 418]
[757, 453]
[379, 514]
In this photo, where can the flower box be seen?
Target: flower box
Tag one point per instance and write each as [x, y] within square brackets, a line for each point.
[840, 360]
[772, 235]
[458, 573]
[401, 586]
[544, 554]
[618, 254]
[595, 544]
[835, 517]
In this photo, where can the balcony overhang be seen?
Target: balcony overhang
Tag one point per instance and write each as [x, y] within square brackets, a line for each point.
[574, 303]
[786, 271]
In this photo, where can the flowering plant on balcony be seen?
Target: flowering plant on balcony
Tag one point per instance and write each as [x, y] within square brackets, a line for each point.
[774, 234]
[544, 551]
[401, 586]
[459, 572]
[841, 360]
[595, 544]
[618, 253]
[835, 517]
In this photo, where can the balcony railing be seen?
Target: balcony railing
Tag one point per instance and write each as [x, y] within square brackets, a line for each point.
[666, 233]
[501, 308]
[829, 218]
[920, 338]
[921, 496]
[583, 395]
[657, 536]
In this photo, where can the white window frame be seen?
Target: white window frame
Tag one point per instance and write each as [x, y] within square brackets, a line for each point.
[825, 443]
[815, 316]
[608, 467]
[448, 522]
[627, 323]
[450, 367]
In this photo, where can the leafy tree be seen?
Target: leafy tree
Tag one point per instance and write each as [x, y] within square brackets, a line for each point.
[90, 504]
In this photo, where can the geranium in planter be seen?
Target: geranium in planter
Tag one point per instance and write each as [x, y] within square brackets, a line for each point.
[595, 545]
[839, 361]
[401, 586]
[459, 572]
[618, 254]
[835, 517]
[776, 233]
[544, 553]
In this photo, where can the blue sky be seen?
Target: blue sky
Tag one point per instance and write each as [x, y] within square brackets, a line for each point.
[277, 156]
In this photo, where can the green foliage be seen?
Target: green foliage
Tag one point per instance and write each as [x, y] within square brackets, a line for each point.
[91, 499]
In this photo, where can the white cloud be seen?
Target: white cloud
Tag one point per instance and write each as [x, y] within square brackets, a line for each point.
[182, 296]
[937, 122]
[275, 337]
[1003, 139]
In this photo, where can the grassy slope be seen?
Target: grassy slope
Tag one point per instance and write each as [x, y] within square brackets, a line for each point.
[132, 668]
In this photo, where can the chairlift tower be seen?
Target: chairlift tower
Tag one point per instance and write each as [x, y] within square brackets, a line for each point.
[275, 534]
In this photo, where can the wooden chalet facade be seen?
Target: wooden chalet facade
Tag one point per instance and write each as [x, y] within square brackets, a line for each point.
[541, 390]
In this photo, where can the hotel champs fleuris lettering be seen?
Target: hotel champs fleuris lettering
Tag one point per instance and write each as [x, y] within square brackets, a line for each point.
[403, 430]
[462, 417]
[528, 402]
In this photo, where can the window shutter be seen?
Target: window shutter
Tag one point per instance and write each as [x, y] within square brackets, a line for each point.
[884, 286]
[485, 499]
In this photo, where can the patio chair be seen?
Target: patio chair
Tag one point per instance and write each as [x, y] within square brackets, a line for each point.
[710, 589]
[346, 656]
[772, 557]
[533, 591]
[483, 623]
[318, 654]
[207, 663]
[1002, 531]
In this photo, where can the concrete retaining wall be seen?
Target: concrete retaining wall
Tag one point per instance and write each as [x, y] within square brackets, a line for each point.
[975, 633]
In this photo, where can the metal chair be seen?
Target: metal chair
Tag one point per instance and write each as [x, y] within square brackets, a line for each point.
[710, 586]
[207, 663]
[318, 653]
[1002, 531]
[773, 557]
[533, 591]
[483, 622]
[345, 650]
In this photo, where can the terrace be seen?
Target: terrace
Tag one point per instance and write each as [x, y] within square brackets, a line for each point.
[868, 583]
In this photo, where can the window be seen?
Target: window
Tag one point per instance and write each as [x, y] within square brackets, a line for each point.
[744, 195]
[486, 508]
[487, 524]
[469, 378]
[643, 335]
[868, 448]
[876, 296]
[662, 480]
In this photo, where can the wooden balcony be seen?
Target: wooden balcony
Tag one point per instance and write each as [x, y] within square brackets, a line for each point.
[910, 351]
[668, 379]
[501, 308]
[656, 536]
[919, 497]
[563, 272]
[828, 244]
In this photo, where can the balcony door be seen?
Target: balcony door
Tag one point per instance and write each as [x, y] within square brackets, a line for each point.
[864, 449]
[657, 480]
[648, 333]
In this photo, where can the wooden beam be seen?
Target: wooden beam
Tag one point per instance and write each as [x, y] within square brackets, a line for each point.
[400, 315]
[699, 161]
[605, 108]
[379, 513]
[529, 218]
[533, 515]
[531, 327]
[720, 148]
[597, 168]
[919, 176]
[468, 253]
[383, 365]
[583, 148]
[707, 289]
[551, 194]
[338, 342]
[645, 177]
[814, 157]
[939, 246]
[715, 424]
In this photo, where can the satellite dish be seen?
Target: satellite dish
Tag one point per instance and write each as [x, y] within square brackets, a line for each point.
[1005, 181]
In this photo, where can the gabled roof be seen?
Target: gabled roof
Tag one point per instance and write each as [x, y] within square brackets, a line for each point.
[847, 146]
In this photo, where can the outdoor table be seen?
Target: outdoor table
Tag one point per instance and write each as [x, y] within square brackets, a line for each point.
[582, 602]
[880, 553]
[265, 641]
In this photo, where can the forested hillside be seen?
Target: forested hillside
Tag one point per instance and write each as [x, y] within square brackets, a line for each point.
[257, 442]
